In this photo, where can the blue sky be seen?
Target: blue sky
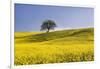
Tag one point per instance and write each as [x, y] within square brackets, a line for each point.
[30, 17]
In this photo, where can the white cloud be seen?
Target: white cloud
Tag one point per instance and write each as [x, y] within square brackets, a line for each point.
[58, 29]
[62, 29]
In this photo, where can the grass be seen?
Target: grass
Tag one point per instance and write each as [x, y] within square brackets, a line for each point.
[54, 47]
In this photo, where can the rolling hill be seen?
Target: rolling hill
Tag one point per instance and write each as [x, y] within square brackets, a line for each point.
[54, 47]
[41, 37]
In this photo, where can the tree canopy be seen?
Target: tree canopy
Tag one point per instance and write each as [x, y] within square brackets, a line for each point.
[48, 25]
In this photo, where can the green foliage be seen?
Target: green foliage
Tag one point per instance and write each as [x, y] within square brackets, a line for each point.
[48, 25]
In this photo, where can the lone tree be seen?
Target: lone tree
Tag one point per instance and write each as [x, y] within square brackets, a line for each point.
[48, 25]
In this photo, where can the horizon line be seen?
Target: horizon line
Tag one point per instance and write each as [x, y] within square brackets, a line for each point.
[58, 29]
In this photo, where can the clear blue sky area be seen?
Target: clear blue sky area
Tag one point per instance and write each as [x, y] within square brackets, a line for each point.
[30, 17]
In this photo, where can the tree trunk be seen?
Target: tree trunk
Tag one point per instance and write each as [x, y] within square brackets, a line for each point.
[48, 31]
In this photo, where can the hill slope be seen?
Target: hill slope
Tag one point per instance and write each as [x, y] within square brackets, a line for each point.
[41, 37]
[54, 47]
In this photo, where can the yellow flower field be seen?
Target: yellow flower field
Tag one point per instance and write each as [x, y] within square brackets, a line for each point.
[54, 47]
